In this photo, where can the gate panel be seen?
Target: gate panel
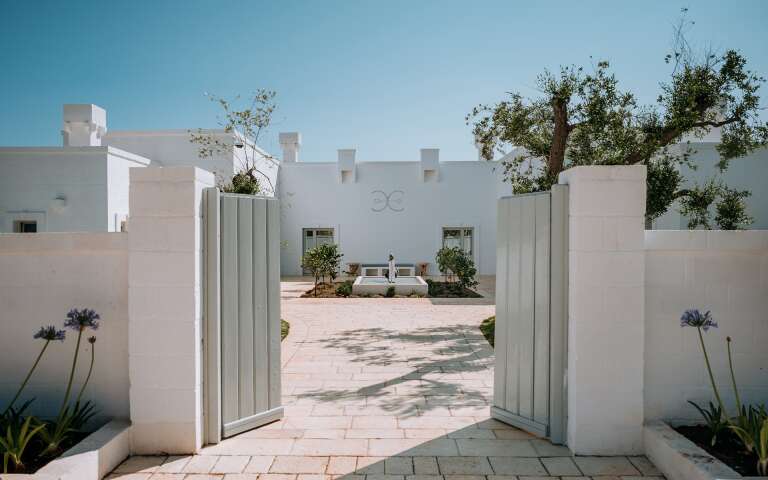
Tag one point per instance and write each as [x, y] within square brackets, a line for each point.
[530, 316]
[244, 374]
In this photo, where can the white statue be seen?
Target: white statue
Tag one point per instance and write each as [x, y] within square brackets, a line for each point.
[391, 273]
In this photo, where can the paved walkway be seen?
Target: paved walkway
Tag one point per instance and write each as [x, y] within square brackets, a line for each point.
[384, 388]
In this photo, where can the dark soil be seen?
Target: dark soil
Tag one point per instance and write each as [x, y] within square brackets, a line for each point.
[728, 449]
[32, 459]
[436, 290]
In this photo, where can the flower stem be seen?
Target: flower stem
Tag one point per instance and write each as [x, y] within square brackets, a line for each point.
[88, 377]
[29, 375]
[709, 370]
[733, 379]
[71, 375]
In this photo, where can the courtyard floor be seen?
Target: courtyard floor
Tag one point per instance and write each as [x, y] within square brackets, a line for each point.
[384, 389]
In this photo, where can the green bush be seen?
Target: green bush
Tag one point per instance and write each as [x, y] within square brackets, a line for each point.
[344, 289]
[244, 183]
[456, 265]
[322, 260]
[390, 291]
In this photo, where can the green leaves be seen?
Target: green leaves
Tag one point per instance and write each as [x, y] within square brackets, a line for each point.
[15, 442]
[714, 418]
[322, 260]
[455, 261]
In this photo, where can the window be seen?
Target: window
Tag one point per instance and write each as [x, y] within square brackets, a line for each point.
[458, 237]
[25, 226]
[312, 237]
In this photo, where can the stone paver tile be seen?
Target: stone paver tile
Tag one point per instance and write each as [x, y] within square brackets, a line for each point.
[200, 464]
[314, 476]
[495, 448]
[367, 465]
[341, 465]
[464, 466]
[241, 476]
[259, 464]
[378, 421]
[382, 476]
[634, 477]
[645, 466]
[341, 447]
[274, 433]
[517, 466]
[375, 433]
[464, 477]
[470, 432]
[512, 434]
[250, 446]
[425, 432]
[277, 476]
[398, 465]
[140, 464]
[538, 477]
[174, 464]
[513, 477]
[425, 466]
[231, 464]
[593, 466]
[413, 447]
[348, 477]
[295, 464]
[546, 449]
[452, 423]
[203, 476]
[424, 477]
[128, 476]
[561, 466]
[168, 476]
[309, 423]
[325, 433]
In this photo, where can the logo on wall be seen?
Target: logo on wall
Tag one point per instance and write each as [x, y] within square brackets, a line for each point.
[383, 200]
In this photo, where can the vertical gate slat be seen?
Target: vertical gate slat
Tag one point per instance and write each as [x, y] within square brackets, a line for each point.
[541, 310]
[513, 309]
[245, 303]
[525, 330]
[261, 311]
[229, 313]
[502, 282]
[273, 302]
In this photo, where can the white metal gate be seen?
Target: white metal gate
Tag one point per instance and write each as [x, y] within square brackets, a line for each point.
[531, 312]
[242, 327]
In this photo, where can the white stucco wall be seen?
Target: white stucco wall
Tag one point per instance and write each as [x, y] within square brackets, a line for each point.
[42, 277]
[93, 181]
[727, 273]
[464, 195]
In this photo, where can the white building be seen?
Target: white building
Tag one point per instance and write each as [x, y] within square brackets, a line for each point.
[371, 209]
[83, 185]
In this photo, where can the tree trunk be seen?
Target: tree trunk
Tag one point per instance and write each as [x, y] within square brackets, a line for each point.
[559, 136]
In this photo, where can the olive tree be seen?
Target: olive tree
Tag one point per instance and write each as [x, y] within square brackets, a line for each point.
[584, 118]
[322, 260]
[246, 123]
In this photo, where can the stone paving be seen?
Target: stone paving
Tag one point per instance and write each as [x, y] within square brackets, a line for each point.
[385, 389]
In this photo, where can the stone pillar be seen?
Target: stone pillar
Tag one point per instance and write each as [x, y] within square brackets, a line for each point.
[165, 308]
[606, 309]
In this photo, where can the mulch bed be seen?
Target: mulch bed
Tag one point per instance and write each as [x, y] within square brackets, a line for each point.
[728, 449]
[436, 290]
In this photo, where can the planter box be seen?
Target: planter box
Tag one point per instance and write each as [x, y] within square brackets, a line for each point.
[378, 286]
[679, 458]
[92, 459]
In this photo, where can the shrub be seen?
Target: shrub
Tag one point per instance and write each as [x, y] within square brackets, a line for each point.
[454, 261]
[244, 183]
[390, 292]
[322, 260]
[731, 210]
[344, 289]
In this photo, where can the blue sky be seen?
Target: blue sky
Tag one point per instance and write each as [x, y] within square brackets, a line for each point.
[385, 77]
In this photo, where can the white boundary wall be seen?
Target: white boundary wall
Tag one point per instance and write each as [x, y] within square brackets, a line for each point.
[42, 277]
[727, 273]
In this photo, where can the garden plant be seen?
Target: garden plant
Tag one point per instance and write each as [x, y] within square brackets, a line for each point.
[26, 440]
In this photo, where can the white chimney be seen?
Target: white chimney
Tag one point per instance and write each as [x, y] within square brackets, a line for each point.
[290, 143]
[84, 125]
[430, 164]
[346, 165]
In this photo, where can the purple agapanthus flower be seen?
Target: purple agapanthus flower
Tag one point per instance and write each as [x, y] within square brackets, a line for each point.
[82, 319]
[694, 318]
[50, 333]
